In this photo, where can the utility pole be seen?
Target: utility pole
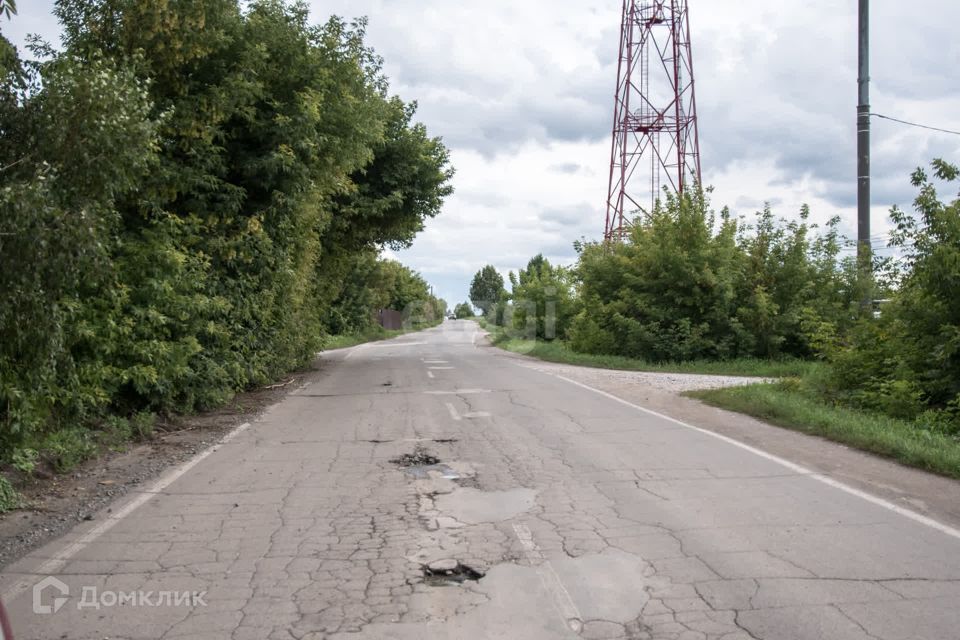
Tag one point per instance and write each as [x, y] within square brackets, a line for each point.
[864, 258]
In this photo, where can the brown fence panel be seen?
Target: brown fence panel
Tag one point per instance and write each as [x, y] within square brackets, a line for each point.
[390, 319]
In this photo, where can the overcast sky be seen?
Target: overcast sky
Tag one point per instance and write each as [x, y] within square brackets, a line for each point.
[522, 93]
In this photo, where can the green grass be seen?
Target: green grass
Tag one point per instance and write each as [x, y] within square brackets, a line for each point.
[10, 499]
[785, 405]
[558, 351]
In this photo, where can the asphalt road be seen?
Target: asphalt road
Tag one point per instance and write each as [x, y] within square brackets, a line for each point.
[553, 510]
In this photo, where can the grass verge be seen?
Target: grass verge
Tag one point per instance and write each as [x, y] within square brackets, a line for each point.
[785, 406]
[558, 351]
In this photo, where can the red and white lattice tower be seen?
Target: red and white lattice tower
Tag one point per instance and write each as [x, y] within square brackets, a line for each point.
[655, 141]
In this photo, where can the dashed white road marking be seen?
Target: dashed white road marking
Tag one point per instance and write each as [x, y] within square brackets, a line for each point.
[880, 502]
[430, 374]
[549, 578]
[453, 412]
[436, 362]
[476, 414]
[60, 558]
[440, 368]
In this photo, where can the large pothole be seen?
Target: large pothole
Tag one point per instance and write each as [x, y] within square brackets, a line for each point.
[419, 458]
[449, 572]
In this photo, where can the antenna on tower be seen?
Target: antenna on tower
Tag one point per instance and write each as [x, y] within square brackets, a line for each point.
[655, 111]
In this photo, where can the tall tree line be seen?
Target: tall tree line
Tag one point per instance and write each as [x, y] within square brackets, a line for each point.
[191, 192]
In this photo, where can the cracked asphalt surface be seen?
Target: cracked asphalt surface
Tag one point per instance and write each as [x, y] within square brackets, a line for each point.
[586, 517]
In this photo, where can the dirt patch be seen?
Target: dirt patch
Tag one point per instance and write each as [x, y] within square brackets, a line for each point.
[55, 504]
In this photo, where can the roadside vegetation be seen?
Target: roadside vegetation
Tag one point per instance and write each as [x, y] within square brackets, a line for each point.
[193, 199]
[691, 290]
[561, 352]
[787, 404]
[463, 310]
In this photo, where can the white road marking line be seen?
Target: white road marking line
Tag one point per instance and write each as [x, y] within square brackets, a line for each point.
[453, 412]
[458, 392]
[476, 414]
[430, 374]
[549, 578]
[440, 368]
[60, 559]
[436, 362]
[880, 502]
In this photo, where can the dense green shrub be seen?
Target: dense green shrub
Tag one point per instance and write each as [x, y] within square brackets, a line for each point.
[543, 300]
[686, 285]
[486, 290]
[906, 362]
[186, 193]
[9, 497]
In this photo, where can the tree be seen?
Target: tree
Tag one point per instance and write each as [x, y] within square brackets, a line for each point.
[8, 8]
[486, 289]
[463, 310]
[907, 361]
[544, 302]
[201, 189]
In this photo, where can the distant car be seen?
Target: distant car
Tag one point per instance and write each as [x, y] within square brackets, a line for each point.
[450, 316]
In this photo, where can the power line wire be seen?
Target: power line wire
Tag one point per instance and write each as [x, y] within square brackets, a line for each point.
[914, 124]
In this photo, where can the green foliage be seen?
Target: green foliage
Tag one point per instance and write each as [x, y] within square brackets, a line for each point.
[686, 285]
[67, 448]
[463, 310]
[906, 362]
[200, 191]
[8, 8]
[25, 460]
[486, 289]
[560, 351]
[787, 404]
[10, 498]
[544, 303]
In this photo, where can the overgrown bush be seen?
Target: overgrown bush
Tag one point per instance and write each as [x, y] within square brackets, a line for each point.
[906, 362]
[9, 497]
[543, 300]
[688, 285]
[187, 190]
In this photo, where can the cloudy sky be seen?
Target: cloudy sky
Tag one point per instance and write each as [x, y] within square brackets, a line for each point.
[522, 93]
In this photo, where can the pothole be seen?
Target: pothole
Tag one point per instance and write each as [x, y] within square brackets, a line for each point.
[449, 572]
[469, 482]
[419, 458]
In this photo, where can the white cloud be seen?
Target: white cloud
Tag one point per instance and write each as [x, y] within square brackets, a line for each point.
[522, 92]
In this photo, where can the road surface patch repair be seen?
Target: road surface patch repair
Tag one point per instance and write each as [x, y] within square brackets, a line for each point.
[448, 511]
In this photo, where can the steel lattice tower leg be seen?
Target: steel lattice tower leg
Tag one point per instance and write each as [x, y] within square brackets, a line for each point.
[655, 111]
